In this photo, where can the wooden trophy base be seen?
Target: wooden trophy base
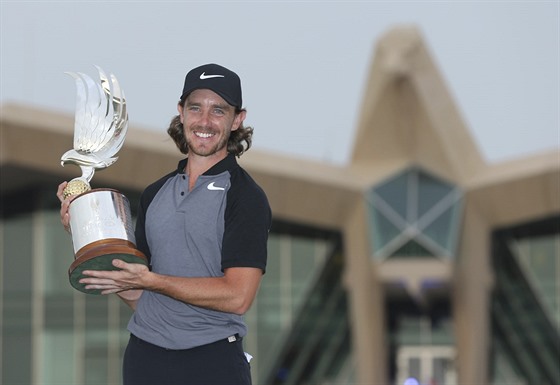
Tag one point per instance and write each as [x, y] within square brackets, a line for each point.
[99, 255]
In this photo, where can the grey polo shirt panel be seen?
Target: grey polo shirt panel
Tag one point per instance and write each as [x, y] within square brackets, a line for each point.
[184, 229]
[178, 224]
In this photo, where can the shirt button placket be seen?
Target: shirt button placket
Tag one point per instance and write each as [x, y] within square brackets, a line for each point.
[183, 191]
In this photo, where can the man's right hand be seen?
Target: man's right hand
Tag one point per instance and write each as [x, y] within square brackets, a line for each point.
[64, 204]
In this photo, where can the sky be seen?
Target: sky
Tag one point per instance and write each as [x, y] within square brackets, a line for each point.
[303, 64]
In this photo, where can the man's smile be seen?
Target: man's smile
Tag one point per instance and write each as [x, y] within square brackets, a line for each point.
[204, 135]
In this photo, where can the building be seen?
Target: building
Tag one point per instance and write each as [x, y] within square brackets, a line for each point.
[417, 262]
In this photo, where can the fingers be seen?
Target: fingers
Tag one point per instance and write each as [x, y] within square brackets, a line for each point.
[60, 191]
[64, 215]
[98, 283]
[107, 281]
[64, 204]
[93, 281]
[126, 271]
[105, 289]
[100, 275]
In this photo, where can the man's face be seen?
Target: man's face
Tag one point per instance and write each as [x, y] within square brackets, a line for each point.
[207, 122]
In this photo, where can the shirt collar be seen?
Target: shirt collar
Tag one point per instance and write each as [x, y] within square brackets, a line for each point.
[226, 164]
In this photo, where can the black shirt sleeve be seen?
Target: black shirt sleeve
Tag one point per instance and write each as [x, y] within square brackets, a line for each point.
[247, 223]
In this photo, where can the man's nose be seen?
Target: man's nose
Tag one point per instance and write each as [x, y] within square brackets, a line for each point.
[205, 118]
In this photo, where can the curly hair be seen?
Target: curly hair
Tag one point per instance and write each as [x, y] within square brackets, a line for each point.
[239, 141]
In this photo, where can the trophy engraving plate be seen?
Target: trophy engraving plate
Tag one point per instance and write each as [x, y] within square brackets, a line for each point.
[100, 219]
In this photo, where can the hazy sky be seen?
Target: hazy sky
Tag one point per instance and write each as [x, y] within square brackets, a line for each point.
[303, 64]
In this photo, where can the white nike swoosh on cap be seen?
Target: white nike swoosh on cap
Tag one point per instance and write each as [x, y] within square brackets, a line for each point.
[212, 187]
[204, 76]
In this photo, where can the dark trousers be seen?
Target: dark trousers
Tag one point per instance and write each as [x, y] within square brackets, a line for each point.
[218, 363]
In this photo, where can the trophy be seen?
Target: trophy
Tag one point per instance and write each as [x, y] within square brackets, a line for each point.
[100, 219]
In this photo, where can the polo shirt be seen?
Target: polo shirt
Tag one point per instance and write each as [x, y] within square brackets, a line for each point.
[222, 222]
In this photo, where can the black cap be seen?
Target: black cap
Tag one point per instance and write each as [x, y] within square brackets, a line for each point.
[214, 77]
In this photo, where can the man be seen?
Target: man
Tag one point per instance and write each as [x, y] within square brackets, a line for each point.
[204, 228]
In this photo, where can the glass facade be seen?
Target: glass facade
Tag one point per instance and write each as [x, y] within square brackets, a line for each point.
[295, 262]
[316, 348]
[526, 299]
[539, 258]
[17, 301]
[52, 334]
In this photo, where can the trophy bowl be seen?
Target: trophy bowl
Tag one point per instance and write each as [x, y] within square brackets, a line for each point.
[101, 227]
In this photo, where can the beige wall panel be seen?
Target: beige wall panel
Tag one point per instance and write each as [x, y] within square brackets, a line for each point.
[304, 202]
[428, 149]
[471, 298]
[446, 120]
[519, 191]
[383, 135]
[366, 298]
[33, 138]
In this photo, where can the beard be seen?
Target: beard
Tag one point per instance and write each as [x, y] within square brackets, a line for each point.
[206, 149]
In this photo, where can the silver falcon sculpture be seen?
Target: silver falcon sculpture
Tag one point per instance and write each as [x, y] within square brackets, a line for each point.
[101, 122]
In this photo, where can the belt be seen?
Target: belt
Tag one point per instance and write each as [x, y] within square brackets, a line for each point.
[234, 338]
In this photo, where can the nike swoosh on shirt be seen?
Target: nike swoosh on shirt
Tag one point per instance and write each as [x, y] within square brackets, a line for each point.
[212, 187]
[204, 76]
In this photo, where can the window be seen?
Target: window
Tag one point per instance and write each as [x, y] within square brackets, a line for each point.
[414, 214]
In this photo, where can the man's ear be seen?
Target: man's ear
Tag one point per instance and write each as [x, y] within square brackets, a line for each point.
[180, 110]
[238, 120]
